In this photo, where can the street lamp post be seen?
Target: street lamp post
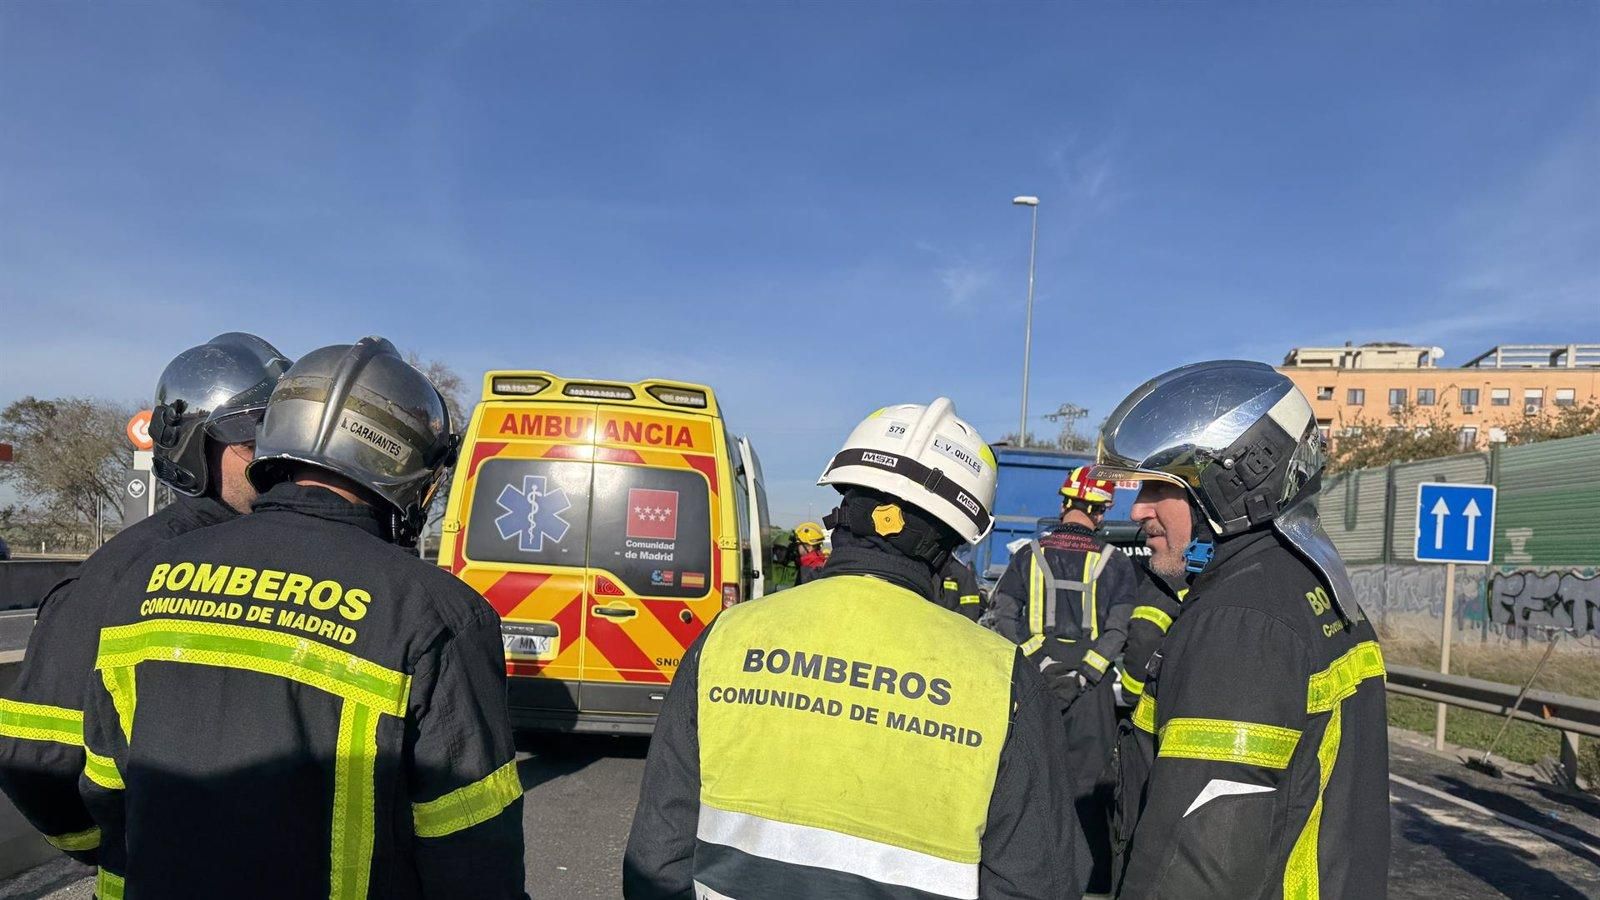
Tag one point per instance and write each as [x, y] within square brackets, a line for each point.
[1027, 334]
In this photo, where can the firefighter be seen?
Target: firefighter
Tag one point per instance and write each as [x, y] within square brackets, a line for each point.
[319, 712]
[849, 738]
[1258, 764]
[1070, 615]
[808, 556]
[208, 402]
[959, 591]
[1158, 601]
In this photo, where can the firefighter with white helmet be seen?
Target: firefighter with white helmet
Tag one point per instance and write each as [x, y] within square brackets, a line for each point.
[1066, 598]
[851, 738]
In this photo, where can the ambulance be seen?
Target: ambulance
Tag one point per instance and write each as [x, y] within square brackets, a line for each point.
[607, 522]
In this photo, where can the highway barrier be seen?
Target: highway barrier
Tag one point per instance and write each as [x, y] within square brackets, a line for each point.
[1572, 716]
[23, 582]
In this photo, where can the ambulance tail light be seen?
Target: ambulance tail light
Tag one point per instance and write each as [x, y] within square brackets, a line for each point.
[730, 595]
[676, 396]
[518, 385]
[590, 391]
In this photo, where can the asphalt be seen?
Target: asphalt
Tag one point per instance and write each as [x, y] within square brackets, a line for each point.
[1514, 838]
[15, 626]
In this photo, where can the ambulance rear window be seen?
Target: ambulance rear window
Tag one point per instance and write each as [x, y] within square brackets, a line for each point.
[530, 511]
[652, 529]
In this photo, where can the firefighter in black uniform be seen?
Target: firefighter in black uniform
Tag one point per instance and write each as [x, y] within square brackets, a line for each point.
[959, 591]
[1071, 617]
[1256, 763]
[1158, 601]
[319, 712]
[848, 738]
[208, 403]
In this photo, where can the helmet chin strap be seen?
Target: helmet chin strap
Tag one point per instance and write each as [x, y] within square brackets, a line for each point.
[1202, 546]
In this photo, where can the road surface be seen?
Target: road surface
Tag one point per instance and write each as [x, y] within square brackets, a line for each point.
[1457, 834]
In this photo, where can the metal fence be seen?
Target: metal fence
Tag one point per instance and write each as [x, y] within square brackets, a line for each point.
[1546, 569]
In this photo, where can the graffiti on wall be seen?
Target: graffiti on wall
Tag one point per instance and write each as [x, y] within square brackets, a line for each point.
[1414, 590]
[1563, 600]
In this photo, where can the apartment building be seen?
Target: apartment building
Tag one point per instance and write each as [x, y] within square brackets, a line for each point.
[1365, 386]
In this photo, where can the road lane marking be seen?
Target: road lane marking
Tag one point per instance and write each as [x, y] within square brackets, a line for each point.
[1525, 825]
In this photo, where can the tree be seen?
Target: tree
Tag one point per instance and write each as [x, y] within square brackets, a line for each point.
[454, 390]
[1548, 425]
[70, 454]
[1414, 434]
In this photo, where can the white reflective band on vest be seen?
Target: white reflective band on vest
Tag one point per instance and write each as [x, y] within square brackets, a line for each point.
[803, 845]
[701, 892]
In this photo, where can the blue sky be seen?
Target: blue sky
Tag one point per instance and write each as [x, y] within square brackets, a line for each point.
[805, 205]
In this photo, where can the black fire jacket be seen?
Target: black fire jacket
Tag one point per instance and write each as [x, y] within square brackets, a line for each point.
[1257, 761]
[287, 706]
[41, 715]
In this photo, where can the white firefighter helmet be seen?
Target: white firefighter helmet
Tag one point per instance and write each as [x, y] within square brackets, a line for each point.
[925, 456]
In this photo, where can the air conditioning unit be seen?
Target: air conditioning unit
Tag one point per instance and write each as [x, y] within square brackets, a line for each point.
[1530, 409]
[1469, 407]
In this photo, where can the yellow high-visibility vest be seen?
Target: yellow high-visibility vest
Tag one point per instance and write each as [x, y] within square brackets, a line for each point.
[849, 730]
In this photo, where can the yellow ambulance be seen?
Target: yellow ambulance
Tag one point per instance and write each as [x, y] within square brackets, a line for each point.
[607, 522]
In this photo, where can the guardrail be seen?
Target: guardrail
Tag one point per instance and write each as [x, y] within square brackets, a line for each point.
[1572, 716]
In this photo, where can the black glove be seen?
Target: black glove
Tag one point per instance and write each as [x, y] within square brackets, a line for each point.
[1064, 681]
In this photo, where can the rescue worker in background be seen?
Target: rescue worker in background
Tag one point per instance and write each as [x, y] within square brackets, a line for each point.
[1258, 764]
[208, 403]
[849, 738]
[808, 556]
[1158, 601]
[1070, 614]
[958, 589]
[320, 713]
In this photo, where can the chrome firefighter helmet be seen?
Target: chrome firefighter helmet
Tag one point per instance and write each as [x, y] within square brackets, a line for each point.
[1241, 439]
[925, 456]
[214, 392]
[359, 410]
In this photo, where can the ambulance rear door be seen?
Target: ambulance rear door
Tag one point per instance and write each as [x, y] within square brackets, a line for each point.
[654, 558]
[525, 549]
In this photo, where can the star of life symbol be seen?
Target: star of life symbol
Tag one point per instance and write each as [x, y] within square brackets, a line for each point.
[532, 514]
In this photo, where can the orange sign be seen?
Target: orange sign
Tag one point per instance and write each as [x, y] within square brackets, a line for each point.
[139, 430]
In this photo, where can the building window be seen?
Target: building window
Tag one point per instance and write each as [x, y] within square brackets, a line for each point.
[1533, 398]
[1425, 396]
[1325, 393]
[1566, 396]
[1355, 396]
[1469, 397]
[1397, 396]
[1469, 437]
[1500, 397]
[1325, 430]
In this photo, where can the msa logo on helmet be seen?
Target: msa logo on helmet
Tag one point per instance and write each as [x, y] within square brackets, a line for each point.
[969, 504]
[959, 454]
[363, 429]
[879, 459]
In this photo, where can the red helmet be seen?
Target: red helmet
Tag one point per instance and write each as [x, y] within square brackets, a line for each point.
[1079, 486]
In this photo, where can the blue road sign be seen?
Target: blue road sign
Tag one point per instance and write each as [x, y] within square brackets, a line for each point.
[1455, 523]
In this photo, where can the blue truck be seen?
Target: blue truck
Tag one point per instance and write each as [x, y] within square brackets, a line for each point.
[1028, 501]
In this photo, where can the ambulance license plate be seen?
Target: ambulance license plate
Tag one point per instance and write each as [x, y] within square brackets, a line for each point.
[534, 645]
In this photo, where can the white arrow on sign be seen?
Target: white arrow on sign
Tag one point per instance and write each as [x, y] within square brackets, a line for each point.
[1472, 513]
[1440, 511]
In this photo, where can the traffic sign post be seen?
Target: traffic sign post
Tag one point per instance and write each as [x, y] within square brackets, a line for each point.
[1455, 524]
